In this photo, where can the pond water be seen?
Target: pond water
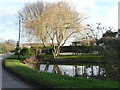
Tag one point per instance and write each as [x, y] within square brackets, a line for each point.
[103, 72]
[75, 70]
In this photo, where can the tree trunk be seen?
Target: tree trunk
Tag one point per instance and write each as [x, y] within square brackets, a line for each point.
[99, 71]
[76, 74]
[92, 71]
[56, 52]
[46, 68]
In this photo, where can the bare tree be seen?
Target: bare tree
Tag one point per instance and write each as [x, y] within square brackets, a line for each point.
[31, 9]
[7, 46]
[85, 37]
[56, 23]
[29, 15]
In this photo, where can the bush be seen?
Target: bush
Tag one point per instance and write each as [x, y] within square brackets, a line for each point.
[25, 51]
[111, 42]
[36, 50]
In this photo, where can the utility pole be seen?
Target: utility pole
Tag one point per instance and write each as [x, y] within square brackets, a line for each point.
[19, 39]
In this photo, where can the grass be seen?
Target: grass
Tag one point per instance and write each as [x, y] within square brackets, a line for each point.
[53, 80]
[22, 58]
[76, 59]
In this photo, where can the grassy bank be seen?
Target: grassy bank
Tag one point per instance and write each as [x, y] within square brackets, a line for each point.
[53, 80]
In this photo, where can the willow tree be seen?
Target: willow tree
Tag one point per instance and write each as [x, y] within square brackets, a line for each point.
[55, 23]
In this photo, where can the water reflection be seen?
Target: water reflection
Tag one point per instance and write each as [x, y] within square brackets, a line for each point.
[84, 71]
[103, 72]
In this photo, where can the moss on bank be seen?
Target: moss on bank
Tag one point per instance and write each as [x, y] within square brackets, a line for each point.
[53, 80]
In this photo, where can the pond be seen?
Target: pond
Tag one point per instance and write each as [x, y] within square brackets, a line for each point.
[75, 70]
[102, 72]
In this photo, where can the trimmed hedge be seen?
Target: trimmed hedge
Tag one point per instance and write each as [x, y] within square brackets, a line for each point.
[81, 49]
[78, 49]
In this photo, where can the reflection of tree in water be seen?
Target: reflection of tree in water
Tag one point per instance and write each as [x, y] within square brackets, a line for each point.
[55, 69]
[46, 68]
[84, 73]
[104, 72]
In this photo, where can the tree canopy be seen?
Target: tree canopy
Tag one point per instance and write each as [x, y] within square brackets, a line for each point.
[109, 34]
[53, 22]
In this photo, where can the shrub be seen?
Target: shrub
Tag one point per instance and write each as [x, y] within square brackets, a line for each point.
[25, 51]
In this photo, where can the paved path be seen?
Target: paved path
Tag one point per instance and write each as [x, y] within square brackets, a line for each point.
[9, 81]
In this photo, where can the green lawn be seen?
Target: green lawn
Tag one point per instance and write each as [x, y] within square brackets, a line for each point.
[53, 80]
[78, 59]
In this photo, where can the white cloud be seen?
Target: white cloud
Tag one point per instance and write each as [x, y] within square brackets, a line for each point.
[107, 15]
[83, 4]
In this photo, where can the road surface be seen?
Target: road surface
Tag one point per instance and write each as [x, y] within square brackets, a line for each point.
[9, 81]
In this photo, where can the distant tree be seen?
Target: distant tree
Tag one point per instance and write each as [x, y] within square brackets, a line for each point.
[98, 29]
[7, 46]
[11, 42]
[1, 47]
[109, 34]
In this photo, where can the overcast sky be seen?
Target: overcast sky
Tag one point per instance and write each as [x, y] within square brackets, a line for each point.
[105, 11]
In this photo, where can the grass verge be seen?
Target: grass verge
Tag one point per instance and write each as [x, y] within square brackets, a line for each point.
[53, 80]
